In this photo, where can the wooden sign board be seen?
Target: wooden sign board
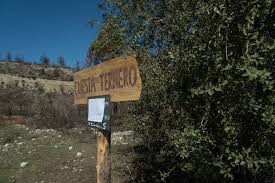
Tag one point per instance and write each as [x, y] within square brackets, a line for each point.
[119, 78]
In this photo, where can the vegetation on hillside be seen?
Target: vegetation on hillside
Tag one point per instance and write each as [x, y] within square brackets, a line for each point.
[34, 71]
[207, 108]
[39, 107]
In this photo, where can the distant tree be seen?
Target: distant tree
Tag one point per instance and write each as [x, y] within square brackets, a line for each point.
[45, 60]
[8, 56]
[61, 61]
[77, 65]
[92, 22]
[19, 59]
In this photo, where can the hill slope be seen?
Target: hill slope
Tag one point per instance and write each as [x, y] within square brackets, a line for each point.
[37, 71]
[51, 79]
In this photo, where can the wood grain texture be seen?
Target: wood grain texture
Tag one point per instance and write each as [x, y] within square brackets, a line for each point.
[119, 78]
[103, 157]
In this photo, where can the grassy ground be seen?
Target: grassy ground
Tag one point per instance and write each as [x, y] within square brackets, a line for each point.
[52, 156]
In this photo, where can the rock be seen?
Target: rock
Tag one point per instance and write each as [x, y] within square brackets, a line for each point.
[12, 179]
[122, 137]
[78, 154]
[71, 147]
[6, 145]
[59, 136]
[55, 146]
[23, 164]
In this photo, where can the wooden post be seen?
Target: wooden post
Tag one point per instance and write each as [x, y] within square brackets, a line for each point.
[95, 81]
[103, 166]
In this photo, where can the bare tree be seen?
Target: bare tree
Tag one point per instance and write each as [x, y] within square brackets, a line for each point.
[8, 56]
[45, 60]
[19, 59]
[77, 65]
[61, 61]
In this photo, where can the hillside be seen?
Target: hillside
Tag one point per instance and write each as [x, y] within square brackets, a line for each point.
[38, 92]
[52, 79]
[48, 85]
[27, 70]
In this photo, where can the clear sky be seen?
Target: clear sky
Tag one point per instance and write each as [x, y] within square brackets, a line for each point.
[32, 28]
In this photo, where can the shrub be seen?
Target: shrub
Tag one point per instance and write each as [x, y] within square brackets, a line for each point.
[56, 73]
[207, 108]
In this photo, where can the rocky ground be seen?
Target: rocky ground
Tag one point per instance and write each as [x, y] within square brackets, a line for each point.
[50, 156]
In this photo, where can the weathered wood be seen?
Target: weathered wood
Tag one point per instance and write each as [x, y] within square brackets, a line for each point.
[119, 78]
[103, 157]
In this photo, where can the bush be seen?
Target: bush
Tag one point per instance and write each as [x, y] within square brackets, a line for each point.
[56, 73]
[207, 108]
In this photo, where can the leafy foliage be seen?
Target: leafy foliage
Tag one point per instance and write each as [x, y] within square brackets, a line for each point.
[207, 109]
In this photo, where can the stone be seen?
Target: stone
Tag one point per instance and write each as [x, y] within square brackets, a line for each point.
[78, 154]
[23, 164]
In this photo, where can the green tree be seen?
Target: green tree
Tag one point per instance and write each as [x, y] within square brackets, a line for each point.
[207, 108]
[109, 42]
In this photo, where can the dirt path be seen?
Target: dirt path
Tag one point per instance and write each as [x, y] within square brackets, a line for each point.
[51, 156]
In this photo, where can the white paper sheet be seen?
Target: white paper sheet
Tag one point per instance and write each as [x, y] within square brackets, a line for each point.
[96, 109]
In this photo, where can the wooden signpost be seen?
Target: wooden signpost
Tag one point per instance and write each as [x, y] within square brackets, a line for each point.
[115, 80]
[119, 78]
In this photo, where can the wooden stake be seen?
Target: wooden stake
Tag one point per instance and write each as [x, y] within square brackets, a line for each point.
[103, 157]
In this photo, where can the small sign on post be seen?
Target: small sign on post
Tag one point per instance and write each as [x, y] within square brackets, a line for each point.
[99, 109]
[115, 80]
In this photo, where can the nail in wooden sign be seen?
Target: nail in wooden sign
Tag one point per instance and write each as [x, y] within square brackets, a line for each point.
[118, 77]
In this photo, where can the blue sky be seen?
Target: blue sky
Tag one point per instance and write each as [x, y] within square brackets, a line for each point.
[32, 28]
